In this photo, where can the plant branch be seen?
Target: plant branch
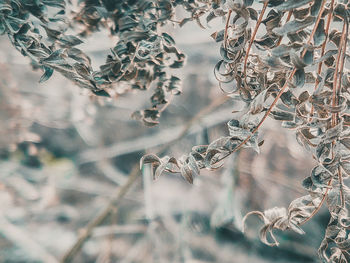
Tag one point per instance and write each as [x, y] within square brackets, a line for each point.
[288, 18]
[336, 73]
[344, 45]
[165, 137]
[345, 33]
[319, 206]
[134, 175]
[112, 205]
[323, 49]
[226, 26]
[267, 113]
[341, 183]
[253, 37]
[334, 102]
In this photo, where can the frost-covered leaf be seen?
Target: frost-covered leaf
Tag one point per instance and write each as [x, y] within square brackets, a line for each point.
[294, 26]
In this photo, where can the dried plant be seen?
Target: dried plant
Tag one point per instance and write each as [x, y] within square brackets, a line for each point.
[142, 55]
[289, 61]
[298, 75]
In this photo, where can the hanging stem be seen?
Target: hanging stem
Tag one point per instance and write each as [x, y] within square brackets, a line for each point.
[253, 37]
[340, 176]
[336, 73]
[318, 207]
[323, 49]
[342, 47]
[112, 205]
[288, 18]
[267, 113]
[226, 26]
[344, 39]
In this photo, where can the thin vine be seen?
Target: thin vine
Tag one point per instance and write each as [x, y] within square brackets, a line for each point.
[290, 63]
[299, 75]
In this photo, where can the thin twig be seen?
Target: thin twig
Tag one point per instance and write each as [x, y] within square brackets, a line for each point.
[334, 122]
[253, 37]
[340, 176]
[113, 204]
[341, 190]
[165, 137]
[323, 49]
[336, 73]
[318, 207]
[134, 175]
[226, 26]
[287, 20]
[119, 230]
[150, 212]
[342, 59]
[267, 113]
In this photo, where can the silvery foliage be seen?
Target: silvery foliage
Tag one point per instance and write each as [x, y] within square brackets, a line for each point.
[143, 55]
[299, 75]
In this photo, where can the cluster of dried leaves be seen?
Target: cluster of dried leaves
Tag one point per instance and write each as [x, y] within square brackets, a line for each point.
[297, 73]
[289, 62]
[46, 32]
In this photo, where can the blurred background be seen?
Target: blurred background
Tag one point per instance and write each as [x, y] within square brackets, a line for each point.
[66, 159]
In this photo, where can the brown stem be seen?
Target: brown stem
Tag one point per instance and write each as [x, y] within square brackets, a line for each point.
[340, 176]
[318, 207]
[336, 73]
[226, 26]
[323, 49]
[113, 204]
[288, 18]
[281, 91]
[334, 119]
[253, 37]
[315, 27]
[342, 59]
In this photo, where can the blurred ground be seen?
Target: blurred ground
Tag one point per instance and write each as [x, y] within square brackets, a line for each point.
[79, 150]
